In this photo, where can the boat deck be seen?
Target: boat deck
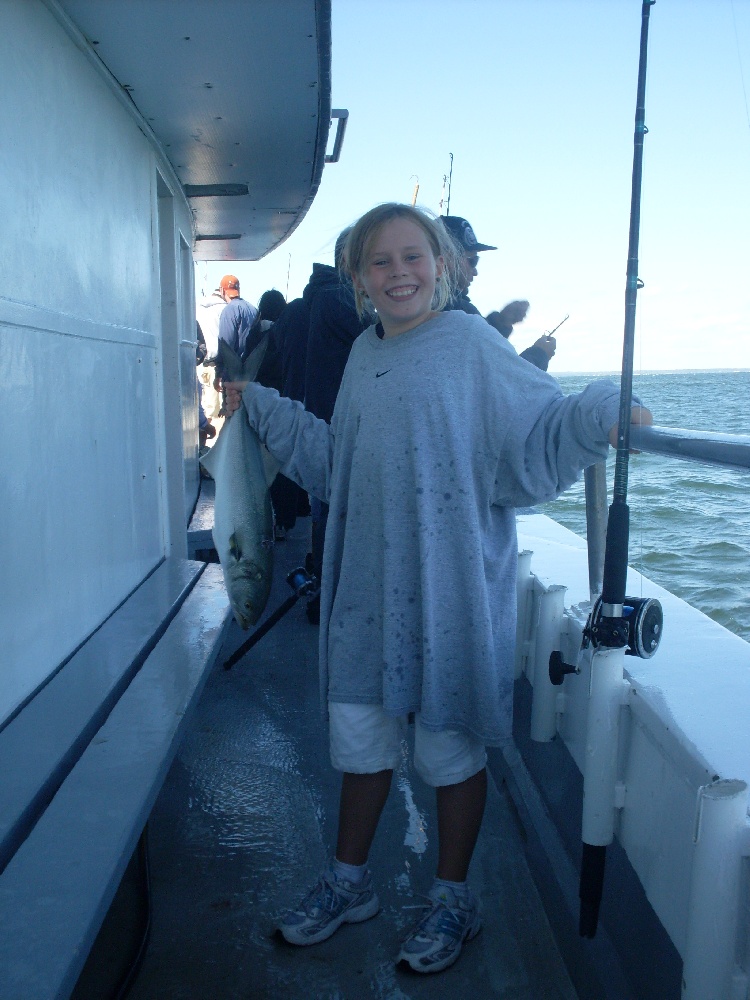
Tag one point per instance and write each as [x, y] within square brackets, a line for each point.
[247, 818]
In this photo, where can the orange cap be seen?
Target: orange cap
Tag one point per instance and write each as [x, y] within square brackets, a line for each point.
[230, 286]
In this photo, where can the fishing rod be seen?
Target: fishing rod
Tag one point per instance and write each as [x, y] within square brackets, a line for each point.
[303, 584]
[609, 628]
[554, 330]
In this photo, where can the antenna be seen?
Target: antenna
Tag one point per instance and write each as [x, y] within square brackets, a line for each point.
[201, 268]
[450, 178]
[416, 191]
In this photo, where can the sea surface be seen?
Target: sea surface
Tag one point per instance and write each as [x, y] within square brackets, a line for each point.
[689, 522]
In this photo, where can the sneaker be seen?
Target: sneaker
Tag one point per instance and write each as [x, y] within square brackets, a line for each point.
[331, 902]
[435, 941]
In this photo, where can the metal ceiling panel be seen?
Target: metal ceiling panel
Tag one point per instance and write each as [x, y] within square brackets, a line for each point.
[237, 93]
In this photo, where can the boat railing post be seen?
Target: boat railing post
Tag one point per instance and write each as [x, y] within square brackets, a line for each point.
[595, 482]
[709, 959]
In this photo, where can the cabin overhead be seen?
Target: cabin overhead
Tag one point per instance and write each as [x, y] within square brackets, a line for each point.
[238, 95]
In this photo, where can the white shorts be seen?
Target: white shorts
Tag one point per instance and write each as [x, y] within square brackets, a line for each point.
[364, 740]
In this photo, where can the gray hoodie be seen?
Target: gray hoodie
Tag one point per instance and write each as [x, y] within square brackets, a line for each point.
[437, 435]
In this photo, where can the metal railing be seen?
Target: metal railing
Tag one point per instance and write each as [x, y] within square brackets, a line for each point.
[730, 451]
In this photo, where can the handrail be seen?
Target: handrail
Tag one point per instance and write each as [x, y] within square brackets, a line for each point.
[342, 116]
[731, 451]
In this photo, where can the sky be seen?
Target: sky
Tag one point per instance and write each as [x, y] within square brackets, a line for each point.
[535, 100]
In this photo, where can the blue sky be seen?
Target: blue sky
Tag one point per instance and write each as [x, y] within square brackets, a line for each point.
[535, 99]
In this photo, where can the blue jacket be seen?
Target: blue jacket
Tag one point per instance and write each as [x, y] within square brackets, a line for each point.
[235, 324]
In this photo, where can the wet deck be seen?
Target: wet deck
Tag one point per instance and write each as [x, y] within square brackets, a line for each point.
[246, 820]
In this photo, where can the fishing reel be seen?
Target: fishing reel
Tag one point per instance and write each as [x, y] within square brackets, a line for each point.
[640, 628]
[302, 582]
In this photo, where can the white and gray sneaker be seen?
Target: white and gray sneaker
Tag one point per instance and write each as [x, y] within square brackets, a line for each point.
[331, 902]
[436, 939]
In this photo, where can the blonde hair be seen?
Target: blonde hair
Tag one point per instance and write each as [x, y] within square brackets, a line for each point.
[367, 228]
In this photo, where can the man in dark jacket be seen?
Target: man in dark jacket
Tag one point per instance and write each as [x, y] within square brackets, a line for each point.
[289, 347]
[314, 335]
[334, 326]
[539, 353]
[292, 331]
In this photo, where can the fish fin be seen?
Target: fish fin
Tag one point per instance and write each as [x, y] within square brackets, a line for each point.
[233, 369]
[234, 549]
[252, 363]
[228, 363]
[270, 465]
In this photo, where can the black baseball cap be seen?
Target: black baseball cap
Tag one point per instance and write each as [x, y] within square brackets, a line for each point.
[463, 234]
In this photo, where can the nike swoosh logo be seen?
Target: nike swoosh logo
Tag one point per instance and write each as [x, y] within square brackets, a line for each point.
[378, 374]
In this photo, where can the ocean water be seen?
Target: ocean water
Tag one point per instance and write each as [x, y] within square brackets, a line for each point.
[689, 522]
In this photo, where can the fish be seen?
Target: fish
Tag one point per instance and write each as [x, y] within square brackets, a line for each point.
[242, 470]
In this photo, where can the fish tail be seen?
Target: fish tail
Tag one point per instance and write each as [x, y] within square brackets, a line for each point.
[233, 368]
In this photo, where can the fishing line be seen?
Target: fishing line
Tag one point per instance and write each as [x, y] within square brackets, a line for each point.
[739, 61]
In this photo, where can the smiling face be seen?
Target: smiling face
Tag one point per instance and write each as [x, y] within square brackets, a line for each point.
[399, 272]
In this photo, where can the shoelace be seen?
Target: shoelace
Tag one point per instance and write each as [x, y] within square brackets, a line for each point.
[444, 917]
[321, 897]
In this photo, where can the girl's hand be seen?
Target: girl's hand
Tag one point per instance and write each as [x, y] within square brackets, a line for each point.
[638, 415]
[233, 396]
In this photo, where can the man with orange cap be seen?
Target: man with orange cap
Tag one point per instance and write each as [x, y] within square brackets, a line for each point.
[237, 318]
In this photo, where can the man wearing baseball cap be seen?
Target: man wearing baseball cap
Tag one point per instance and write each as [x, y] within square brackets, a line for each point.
[504, 320]
[237, 318]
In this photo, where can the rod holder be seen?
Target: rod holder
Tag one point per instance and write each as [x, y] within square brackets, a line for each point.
[720, 822]
[544, 698]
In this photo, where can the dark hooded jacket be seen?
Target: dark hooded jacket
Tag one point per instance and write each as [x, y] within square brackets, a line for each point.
[334, 326]
[291, 331]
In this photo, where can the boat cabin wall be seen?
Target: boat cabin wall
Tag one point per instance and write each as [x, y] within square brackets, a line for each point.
[97, 329]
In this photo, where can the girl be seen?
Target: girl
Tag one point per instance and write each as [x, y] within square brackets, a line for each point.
[440, 430]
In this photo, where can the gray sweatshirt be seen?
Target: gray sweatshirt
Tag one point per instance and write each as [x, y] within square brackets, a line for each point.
[437, 435]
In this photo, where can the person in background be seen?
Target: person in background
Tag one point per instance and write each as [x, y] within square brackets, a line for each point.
[334, 326]
[284, 493]
[286, 374]
[469, 249]
[206, 429]
[208, 313]
[271, 305]
[314, 335]
[439, 432]
[237, 319]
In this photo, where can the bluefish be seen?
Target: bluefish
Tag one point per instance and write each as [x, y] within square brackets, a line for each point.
[242, 470]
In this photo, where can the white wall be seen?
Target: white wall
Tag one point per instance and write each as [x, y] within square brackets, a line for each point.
[84, 501]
